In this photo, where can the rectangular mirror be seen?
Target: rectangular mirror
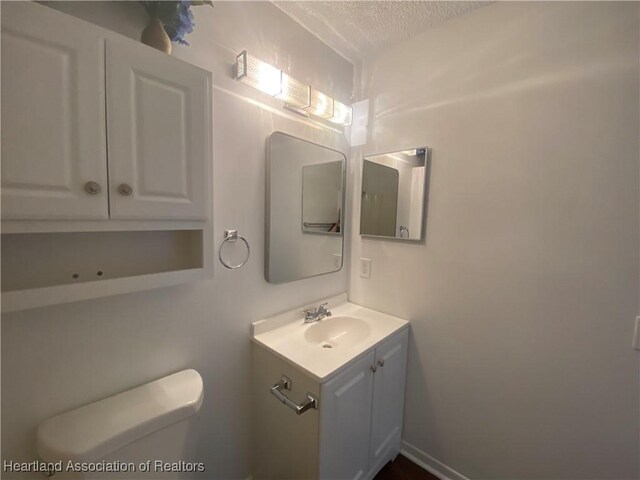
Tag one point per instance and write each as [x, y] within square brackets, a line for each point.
[304, 209]
[393, 194]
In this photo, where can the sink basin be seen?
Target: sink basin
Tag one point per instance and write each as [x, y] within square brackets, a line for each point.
[351, 331]
[338, 331]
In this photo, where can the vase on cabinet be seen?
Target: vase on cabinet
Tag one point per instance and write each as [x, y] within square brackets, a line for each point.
[155, 36]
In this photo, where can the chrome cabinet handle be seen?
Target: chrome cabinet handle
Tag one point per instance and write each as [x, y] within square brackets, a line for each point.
[124, 189]
[373, 368]
[92, 188]
[285, 384]
[381, 363]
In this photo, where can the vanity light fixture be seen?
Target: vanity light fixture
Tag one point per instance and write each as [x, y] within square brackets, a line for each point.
[297, 96]
[295, 93]
[321, 105]
[342, 115]
[258, 74]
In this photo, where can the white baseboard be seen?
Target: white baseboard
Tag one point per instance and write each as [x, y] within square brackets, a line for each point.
[429, 463]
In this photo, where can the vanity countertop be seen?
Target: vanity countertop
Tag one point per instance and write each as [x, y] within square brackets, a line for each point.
[323, 348]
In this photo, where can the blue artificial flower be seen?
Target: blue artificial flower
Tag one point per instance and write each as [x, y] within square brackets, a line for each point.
[176, 17]
[182, 22]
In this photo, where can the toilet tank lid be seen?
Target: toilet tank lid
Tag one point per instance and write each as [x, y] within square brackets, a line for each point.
[91, 432]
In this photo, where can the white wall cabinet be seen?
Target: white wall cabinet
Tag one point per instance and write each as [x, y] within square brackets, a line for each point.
[157, 118]
[106, 162]
[58, 141]
[356, 430]
[53, 118]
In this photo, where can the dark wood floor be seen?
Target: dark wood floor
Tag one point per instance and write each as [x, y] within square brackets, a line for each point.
[403, 469]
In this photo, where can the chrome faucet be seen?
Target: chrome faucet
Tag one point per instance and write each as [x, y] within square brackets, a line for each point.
[313, 315]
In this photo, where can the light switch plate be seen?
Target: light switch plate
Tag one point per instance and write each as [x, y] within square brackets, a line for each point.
[636, 334]
[365, 268]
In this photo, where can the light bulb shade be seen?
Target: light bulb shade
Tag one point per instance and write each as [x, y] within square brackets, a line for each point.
[342, 114]
[295, 93]
[258, 74]
[321, 104]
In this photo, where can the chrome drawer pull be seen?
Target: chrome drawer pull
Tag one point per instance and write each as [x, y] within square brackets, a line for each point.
[285, 384]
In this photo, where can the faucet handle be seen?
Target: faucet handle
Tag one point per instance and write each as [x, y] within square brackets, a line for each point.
[323, 310]
[309, 313]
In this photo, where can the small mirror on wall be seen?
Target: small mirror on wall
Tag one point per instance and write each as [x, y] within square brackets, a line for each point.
[305, 185]
[394, 190]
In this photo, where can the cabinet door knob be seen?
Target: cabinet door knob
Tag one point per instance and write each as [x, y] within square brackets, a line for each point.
[124, 189]
[373, 368]
[381, 363]
[92, 188]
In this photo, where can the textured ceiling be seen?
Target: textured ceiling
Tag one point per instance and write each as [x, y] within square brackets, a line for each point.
[356, 29]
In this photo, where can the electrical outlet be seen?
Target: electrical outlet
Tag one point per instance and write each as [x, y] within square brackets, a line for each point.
[337, 261]
[636, 334]
[365, 268]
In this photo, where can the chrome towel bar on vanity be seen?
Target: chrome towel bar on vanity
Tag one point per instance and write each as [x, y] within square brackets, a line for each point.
[285, 384]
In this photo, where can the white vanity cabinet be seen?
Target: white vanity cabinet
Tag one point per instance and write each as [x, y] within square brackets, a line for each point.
[356, 429]
[106, 162]
[89, 137]
[388, 400]
[346, 404]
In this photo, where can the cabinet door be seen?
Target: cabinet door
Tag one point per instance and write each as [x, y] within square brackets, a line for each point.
[345, 422]
[53, 119]
[388, 400]
[159, 130]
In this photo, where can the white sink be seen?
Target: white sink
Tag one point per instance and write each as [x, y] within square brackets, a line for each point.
[337, 331]
[323, 348]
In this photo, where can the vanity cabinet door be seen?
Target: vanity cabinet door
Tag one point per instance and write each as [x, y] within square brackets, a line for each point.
[345, 422]
[159, 131]
[54, 163]
[388, 400]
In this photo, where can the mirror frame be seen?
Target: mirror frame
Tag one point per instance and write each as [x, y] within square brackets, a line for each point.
[267, 206]
[425, 196]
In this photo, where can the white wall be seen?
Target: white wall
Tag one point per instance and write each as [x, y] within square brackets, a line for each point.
[55, 359]
[523, 297]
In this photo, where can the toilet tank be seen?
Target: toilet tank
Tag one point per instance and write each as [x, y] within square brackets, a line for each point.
[146, 432]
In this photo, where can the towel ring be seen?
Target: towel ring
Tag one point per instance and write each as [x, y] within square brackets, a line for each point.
[232, 236]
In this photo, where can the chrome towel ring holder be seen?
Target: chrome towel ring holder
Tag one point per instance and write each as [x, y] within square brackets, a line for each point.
[232, 236]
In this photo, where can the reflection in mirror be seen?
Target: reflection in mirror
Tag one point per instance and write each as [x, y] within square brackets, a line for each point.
[393, 194]
[304, 211]
[322, 197]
